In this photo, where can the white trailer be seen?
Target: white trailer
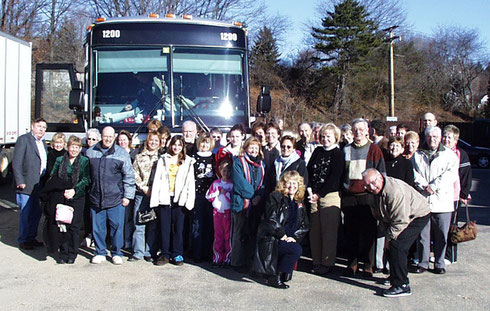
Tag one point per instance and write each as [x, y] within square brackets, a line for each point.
[15, 95]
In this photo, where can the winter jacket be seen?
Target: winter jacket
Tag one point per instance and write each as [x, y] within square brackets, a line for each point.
[112, 176]
[185, 185]
[271, 230]
[243, 190]
[83, 175]
[397, 205]
[143, 167]
[438, 171]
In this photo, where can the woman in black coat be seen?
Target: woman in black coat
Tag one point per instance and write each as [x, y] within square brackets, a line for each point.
[396, 165]
[284, 223]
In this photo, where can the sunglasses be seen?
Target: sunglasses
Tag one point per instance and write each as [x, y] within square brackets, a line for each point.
[94, 139]
[286, 147]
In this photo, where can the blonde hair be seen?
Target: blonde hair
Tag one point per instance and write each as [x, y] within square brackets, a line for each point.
[331, 127]
[411, 135]
[205, 137]
[292, 176]
[250, 141]
[59, 136]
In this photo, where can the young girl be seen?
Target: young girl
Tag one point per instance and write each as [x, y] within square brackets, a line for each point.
[173, 189]
[220, 195]
[202, 220]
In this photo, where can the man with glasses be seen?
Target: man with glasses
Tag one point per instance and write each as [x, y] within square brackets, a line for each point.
[402, 213]
[112, 188]
[29, 166]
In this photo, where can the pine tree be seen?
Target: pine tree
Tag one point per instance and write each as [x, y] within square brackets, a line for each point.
[264, 58]
[347, 35]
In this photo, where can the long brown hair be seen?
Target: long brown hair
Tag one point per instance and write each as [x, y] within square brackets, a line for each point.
[173, 141]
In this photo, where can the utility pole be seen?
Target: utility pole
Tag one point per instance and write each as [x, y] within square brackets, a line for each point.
[391, 40]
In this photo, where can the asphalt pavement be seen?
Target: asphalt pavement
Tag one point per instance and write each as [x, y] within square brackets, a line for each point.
[31, 281]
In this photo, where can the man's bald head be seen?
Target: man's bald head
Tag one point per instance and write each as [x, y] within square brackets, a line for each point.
[108, 136]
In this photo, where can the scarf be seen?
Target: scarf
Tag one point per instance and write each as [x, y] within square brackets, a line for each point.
[281, 163]
[63, 170]
[246, 160]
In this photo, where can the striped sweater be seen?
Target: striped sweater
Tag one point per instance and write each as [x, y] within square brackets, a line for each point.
[358, 159]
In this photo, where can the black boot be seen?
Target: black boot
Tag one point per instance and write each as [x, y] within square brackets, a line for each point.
[286, 277]
[275, 281]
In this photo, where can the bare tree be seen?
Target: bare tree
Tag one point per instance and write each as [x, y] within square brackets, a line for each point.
[21, 18]
[456, 56]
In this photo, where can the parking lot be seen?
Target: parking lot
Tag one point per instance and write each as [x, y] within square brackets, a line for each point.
[30, 281]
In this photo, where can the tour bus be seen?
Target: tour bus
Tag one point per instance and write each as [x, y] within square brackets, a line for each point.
[138, 69]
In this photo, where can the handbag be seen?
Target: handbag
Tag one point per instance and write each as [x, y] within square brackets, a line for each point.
[466, 232]
[64, 213]
[146, 216]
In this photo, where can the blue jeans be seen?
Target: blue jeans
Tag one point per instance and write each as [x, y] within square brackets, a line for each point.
[115, 215]
[30, 214]
[142, 245]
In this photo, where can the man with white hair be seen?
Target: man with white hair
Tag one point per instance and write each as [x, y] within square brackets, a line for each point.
[435, 171]
[360, 225]
[189, 132]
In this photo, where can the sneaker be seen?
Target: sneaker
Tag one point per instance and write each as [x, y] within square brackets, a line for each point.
[432, 259]
[178, 260]
[447, 262]
[117, 260]
[98, 259]
[398, 291]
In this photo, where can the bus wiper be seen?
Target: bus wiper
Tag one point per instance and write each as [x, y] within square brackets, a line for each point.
[189, 105]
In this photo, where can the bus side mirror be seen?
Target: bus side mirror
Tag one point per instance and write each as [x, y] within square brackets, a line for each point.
[264, 100]
[76, 96]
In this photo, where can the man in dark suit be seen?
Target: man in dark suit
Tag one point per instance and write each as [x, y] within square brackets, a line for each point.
[29, 165]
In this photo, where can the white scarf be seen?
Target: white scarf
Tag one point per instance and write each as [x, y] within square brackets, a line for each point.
[281, 163]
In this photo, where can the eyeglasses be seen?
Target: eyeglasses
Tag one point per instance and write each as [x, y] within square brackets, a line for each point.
[286, 147]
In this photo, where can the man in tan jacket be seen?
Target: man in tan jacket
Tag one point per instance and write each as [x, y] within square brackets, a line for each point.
[403, 212]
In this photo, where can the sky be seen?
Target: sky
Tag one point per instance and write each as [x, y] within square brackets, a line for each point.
[423, 15]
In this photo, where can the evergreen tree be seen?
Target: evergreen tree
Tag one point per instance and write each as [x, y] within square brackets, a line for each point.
[347, 35]
[264, 58]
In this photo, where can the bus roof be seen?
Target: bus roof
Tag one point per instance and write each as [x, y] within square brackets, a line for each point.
[177, 19]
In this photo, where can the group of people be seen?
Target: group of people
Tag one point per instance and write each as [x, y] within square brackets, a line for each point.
[251, 202]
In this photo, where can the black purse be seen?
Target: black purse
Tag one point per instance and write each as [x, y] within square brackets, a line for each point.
[146, 216]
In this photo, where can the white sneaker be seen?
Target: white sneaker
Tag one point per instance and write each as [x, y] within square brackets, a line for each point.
[117, 260]
[447, 262]
[98, 259]
[432, 259]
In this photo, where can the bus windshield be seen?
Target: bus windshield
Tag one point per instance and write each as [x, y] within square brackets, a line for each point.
[133, 86]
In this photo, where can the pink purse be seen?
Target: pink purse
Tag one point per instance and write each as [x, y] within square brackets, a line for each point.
[64, 213]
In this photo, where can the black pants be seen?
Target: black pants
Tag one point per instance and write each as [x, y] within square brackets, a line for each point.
[70, 239]
[241, 242]
[202, 228]
[171, 218]
[288, 255]
[360, 234]
[399, 250]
